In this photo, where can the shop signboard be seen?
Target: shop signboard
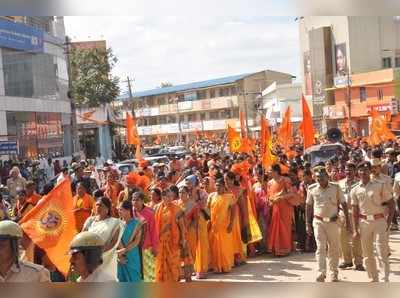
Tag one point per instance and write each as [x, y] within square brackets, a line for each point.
[8, 147]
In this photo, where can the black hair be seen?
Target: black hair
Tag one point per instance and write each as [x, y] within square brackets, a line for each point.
[276, 168]
[157, 191]
[48, 187]
[106, 202]
[174, 189]
[377, 153]
[351, 165]
[127, 205]
[98, 193]
[139, 195]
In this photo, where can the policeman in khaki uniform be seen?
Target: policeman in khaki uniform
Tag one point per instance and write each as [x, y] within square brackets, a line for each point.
[86, 252]
[322, 205]
[370, 222]
[351, 248]
[11, 268]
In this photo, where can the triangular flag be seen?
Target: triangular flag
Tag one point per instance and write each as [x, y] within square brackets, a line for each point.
[307, 126]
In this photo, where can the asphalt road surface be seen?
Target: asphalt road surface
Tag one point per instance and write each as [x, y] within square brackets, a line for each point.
[300, 267]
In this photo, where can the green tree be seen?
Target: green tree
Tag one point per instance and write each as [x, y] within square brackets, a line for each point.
[92, 81]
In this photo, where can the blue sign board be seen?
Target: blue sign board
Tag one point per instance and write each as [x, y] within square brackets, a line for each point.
[19, 36]
[8, 147]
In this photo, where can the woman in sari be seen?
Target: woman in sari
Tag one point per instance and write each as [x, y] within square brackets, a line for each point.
[109, 229]
[171, 232]
[129, 261]
[221, 207]
[83, 205]
[279, 190]
[190, 217]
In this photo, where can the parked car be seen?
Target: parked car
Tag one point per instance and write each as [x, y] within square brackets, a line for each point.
[322, 153]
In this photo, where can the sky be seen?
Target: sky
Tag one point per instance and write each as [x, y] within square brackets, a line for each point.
[183, 49]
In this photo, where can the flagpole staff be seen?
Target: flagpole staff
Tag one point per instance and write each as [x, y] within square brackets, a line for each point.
[348, 95]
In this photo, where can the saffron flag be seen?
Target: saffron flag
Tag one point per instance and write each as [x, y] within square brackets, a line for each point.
[234, 140]
[307, 126]
[51, 225]
[266, 145]
[379, 132]
[242, 126]
[132, 136]
[285, 137]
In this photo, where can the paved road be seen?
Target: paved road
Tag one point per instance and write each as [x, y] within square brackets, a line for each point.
[300, 268]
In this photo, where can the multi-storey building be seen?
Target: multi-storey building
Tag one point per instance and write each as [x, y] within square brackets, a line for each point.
[342, 59]
[35, 110]
[180, 112]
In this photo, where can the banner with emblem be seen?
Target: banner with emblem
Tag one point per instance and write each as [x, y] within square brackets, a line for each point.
[51, 225]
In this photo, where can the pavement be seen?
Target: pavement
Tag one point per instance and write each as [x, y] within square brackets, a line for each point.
[300, 267]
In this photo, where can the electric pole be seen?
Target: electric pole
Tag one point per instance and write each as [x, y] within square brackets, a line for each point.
[131, 96]
[348, 95]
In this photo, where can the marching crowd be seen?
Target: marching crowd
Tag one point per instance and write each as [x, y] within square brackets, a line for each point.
[210, 212]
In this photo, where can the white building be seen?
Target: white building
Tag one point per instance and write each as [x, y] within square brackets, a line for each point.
[34, 108]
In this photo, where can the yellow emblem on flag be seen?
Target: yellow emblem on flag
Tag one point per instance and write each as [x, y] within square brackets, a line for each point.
[236, 144]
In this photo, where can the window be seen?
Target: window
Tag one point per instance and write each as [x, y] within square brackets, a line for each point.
[214, 115]
[235, 113]
[162, 101]
[203, 116]
[201, 94]
[191, 117]
[182, 118]
[387, 62]
[233, 90]
[172, 119]
[363, 94]
[397, 62]
[212, 93]
[379, 94]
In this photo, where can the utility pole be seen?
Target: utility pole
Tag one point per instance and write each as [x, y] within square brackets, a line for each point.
[131, 96]
[348, 95]
[74, 125]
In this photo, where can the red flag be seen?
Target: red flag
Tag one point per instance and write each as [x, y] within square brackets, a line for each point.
[51, 225]
[307, 126]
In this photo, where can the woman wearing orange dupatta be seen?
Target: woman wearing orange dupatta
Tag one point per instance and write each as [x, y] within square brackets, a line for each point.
[220, 204]
[171, 231]
[83, 205]
[279, 189]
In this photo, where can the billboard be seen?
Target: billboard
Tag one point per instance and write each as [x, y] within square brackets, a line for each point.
[20, 37]
[8, 147]
[341, 59]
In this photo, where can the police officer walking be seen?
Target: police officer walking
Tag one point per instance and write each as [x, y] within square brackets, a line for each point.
[12, 269]
[370, 222]
[322, 205]
[351, 248]
[86, 251]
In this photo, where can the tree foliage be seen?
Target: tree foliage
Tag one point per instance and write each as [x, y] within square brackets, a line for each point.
[92, 81]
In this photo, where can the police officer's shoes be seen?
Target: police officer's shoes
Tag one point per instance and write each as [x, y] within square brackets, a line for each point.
[321, 278]
[360, 268]
[345, 265]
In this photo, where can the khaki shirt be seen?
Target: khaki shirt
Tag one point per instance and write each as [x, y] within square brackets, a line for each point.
[99, 275]
[396, 186]
[13, 184]
[28, 272]
[326, 201]
[387, 180]
[369, 198]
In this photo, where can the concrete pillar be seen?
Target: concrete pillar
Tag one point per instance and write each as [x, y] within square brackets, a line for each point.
[104, 138]
[2, 87]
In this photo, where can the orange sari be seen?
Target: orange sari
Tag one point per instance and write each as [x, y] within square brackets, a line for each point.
[220, 240]
[202, 249]
[237, 243]
[82, 209]
[280, 230]
[168, 255]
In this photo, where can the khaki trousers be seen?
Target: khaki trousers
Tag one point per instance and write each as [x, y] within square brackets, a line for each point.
[327, 236]
[350, 248]
[371, 231]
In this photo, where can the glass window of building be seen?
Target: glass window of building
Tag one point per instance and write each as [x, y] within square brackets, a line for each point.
[363, 94]
[214, 115]
[203, 116]
[172, 119]
[181, 118]
[397, 62]
[233, 90]
[235, 113]
[192, 117]
[387, 62]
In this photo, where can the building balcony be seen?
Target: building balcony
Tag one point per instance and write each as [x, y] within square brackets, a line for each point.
[225, 102]
[188, 127]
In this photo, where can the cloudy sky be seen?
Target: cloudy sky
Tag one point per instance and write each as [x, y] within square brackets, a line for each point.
[188, 49]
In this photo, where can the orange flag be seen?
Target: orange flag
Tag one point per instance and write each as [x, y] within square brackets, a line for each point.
[307, 126]
[379, 132]
[132, 136]
[266, 144]
[51, 225]
[234, 140]
[242, 125]
[285, 137]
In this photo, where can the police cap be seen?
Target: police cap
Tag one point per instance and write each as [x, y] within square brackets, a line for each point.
[86, 241]
[10, 229]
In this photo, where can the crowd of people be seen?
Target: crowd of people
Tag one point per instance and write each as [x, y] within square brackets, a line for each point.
[210, 212]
